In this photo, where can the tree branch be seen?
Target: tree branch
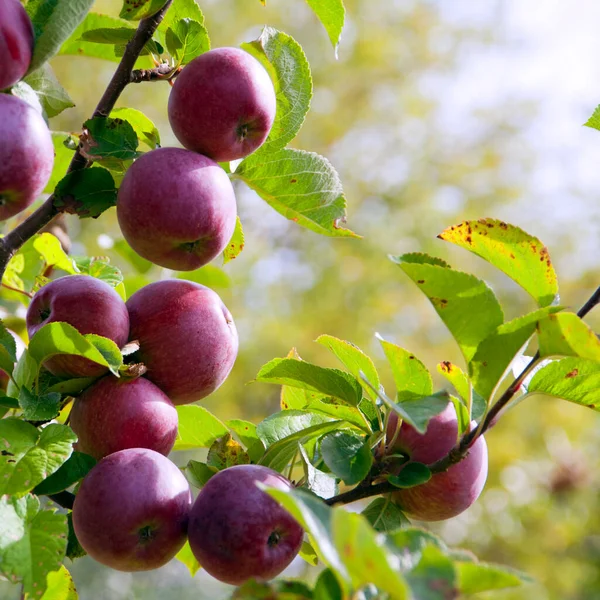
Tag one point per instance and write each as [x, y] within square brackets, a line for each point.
[121, 78]
[461, 450]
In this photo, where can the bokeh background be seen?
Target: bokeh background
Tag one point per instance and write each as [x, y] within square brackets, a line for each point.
[436, 111]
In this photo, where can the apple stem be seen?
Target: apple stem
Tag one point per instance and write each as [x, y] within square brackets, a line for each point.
[461, 450]
[120, 79]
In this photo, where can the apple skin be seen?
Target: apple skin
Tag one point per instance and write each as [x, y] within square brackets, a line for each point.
[449, 493]
[176, 208]
[26, 155]
[237, 531]
[116, 413]
[16, 42]
[131, 511]
[188, 340]
[222, 104]
[89, 305]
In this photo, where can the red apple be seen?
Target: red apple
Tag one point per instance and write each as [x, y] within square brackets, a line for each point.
[237, 531]
[26, 154]
[117, 413]
[132, 509]
[16, 42]
[89, 305]
[222, 104]
[449, 493]
[187, 337]
[176, 208]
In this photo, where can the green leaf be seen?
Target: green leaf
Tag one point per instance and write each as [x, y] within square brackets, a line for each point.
[466, 304]
[208, 275]
[433, 578]
[565, 334]
[279, 589]
[112, 141]
[29, 455]
[100, 268]
[365, 556]
[32, 543]
[226, 452]
[135, 10]
[25, 373]
[53, 22]
[286, 63]
[409, 543]
[384, 515]
[412, 474]
[336, 409]
[322, 484]
[53, 97]
[25, 92]
[520, 255]
[574, 379]
[307, 554]
[245, 430]
[236, 243]
[60, 586]
[411, 376]
[302, 186]
[298, 373]
[331, 13]
[62, 338]
[282, 432]
[63, 155]
[353, 358]
[73, 470]
[86, 193]
[186, 556]
[347, 455]
[199, 473]
[8, 349]
[181, 9]
[198, 428]
[186, 40]
[144, 128]
[39, 408]
[33, 259]
[76, 44]
[476, 577]
[594, 120]
[74, 549]
[495, 353]
[316, 519]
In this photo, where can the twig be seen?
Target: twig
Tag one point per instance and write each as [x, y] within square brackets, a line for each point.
[461, 450]
[121, 78]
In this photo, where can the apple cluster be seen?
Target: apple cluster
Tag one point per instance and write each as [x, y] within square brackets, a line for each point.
[26, 150]
[176, 207]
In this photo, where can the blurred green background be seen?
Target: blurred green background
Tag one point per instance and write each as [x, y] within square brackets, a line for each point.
[435, 112]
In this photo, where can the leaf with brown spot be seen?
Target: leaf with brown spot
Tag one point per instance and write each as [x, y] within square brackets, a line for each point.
[565, 334]
[521, 256]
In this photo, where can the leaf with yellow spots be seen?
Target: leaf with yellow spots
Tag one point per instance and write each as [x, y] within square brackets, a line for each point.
[521, 256]
[226, 452]
[32, 543]
[60, 586]
[565, 334]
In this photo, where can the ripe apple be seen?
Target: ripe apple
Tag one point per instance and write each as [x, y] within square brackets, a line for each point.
[222, 104]
[132, 509]
[16, 42]
[237, 531]
[26, 154]
[89, 305]
[187, 337]
[449, 493]
[176, 208]
[117, 413]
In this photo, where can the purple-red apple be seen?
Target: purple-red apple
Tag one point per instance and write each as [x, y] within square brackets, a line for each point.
[449, 493]
[131, 511]
[88, 304]
[222, 104]
[116, 413]
[16, 42]
[176, 208]
[237, 531]
[26, 154]
[187, 337]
